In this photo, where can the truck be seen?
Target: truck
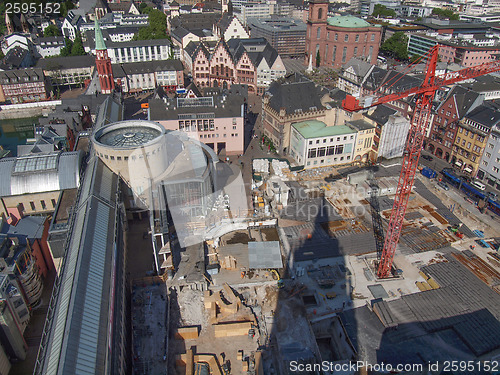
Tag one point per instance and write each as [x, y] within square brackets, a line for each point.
[429, 173]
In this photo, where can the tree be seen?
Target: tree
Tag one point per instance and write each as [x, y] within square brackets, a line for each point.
[157, 28]
[396, 46]
[144, 8]
[445, 13]
[51, 30]
[414, 58]
[66, 50]
[380, 10]
[66, 6]
[318, 59]
[77, 48]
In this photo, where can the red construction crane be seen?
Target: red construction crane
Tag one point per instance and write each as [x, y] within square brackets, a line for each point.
[419, 122]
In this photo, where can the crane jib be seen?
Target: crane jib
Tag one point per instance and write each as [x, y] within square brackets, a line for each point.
[422, 111]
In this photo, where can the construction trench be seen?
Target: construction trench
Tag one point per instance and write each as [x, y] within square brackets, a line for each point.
[244, 321]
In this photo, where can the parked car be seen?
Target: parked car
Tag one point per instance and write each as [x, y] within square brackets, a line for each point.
[443, 185]
[427, 157]
[493, 196]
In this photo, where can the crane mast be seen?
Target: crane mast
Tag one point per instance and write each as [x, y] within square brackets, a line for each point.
[420, 119]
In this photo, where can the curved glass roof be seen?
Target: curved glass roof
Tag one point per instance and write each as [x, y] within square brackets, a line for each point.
[129, 137]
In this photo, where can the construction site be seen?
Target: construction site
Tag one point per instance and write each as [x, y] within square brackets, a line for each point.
[296, 284]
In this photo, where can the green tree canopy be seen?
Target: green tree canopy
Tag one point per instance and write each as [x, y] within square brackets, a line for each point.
[77, 47]
[144, 8]
[51, 30]
[66, 6]
[445, 13]
[414, 58]
[380, 10]
[66, 50]
[396, 46]
[157, 28]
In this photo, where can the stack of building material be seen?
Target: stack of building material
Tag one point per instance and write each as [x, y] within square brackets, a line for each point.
[228, 262]
[428, 284]
[232, 329]
[260, 165]
[280, 167]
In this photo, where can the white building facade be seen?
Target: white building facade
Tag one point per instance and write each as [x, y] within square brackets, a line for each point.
[314, 144]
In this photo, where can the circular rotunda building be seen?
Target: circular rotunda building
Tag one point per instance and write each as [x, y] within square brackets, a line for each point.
[145, 156]
[121, 143]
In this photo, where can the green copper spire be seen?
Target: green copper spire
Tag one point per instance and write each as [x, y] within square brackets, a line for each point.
[99, 40]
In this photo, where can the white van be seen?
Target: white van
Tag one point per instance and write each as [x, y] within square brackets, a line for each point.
[478, 185]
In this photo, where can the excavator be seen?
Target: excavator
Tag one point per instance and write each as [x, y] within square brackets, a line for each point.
[276, 274]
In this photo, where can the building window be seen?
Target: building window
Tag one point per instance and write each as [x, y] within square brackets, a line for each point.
[318, 33]
[371, 52]
[355, 51]
[346, 38]
[32, 204]
[42, 203]
[373, 37]
[357, 38]
[344, 54]
[328, 35]
[53, 201]
[320, 13]
[336, 36]
[334, 53]
[326, 52]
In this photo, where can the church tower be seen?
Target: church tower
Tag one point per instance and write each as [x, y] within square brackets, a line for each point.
[24, 24]
[316, 28]
[103, 63]
[9, 24]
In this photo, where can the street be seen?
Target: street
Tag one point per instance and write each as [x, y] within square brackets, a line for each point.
[438, 165]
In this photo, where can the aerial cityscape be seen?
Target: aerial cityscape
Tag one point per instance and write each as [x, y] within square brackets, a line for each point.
[254, 187]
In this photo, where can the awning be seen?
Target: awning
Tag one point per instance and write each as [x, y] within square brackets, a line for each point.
[468, 170]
